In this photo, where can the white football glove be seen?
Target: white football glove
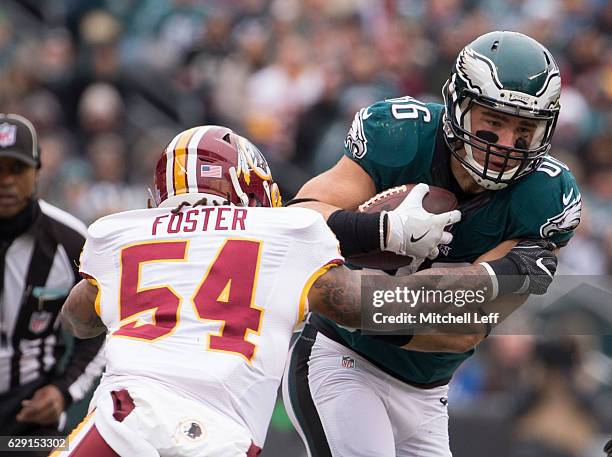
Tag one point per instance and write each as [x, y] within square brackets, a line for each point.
[413, 231]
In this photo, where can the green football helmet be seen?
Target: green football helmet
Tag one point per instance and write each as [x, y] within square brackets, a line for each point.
[512, 74]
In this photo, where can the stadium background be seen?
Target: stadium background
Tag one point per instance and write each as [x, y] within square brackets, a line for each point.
[109, 82]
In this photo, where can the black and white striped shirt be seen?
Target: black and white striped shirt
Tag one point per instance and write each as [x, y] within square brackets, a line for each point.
[40, 268]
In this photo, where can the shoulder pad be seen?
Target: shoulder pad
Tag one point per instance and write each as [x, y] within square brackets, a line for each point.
[547, 203]
[391, 135]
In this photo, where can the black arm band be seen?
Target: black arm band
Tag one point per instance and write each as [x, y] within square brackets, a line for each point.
[508, 276]
[295, 201]
[358, 233]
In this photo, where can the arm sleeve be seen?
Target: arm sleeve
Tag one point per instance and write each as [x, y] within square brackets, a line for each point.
[97, 261]
[87, 262]
[315, 251]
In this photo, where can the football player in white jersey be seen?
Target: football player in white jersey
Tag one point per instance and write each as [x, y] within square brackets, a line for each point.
[199, 297]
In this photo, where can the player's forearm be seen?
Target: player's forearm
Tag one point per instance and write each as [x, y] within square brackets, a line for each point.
[81, 326]
[325, 209]
[476, 279]
[463, 342]
[427, 293]
[78, 315]
[337, 296]
[503, 306]
[442, 337]
[460, 342]
[470, 277]
[454, 338]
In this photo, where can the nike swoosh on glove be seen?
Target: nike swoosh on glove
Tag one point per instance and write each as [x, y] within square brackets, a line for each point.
[528, 268]
[536, 260]
[413, 231]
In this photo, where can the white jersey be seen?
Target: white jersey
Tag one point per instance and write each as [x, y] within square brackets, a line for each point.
[205, 300]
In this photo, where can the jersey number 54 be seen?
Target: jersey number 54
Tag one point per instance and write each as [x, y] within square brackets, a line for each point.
[225, 294]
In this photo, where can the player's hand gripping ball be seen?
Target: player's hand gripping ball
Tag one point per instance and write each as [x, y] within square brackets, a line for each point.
[437, 201]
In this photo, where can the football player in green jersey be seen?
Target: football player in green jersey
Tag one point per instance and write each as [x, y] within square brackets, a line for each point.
[354, 395]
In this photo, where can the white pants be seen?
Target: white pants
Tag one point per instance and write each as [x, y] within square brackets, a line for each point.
[167, 424]
[344, 406]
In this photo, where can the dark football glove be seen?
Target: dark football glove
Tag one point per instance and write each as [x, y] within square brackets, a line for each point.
[536, 260]
[528, 268]
[608, 449]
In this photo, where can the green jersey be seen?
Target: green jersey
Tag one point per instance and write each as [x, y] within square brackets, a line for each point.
[401, 141]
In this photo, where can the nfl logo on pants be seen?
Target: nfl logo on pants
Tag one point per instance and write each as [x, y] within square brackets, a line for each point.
[348, 362]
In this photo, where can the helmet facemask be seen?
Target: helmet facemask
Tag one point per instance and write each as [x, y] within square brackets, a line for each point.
[252, 178]
[499, 165]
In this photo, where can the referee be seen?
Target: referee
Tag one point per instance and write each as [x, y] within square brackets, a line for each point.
[39, 251]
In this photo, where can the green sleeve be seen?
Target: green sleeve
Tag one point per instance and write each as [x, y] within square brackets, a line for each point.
[546, 204]
[393, 141]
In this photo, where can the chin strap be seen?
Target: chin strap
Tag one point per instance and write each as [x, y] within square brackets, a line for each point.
[244, 198]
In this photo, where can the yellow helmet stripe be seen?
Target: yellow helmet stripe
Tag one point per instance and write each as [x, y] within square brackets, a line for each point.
[192, 158]
[170, 165]
[180, 161]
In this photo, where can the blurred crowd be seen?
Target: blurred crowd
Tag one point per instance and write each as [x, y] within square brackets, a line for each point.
[109, 82]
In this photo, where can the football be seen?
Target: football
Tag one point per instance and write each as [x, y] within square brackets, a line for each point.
[437, 201]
